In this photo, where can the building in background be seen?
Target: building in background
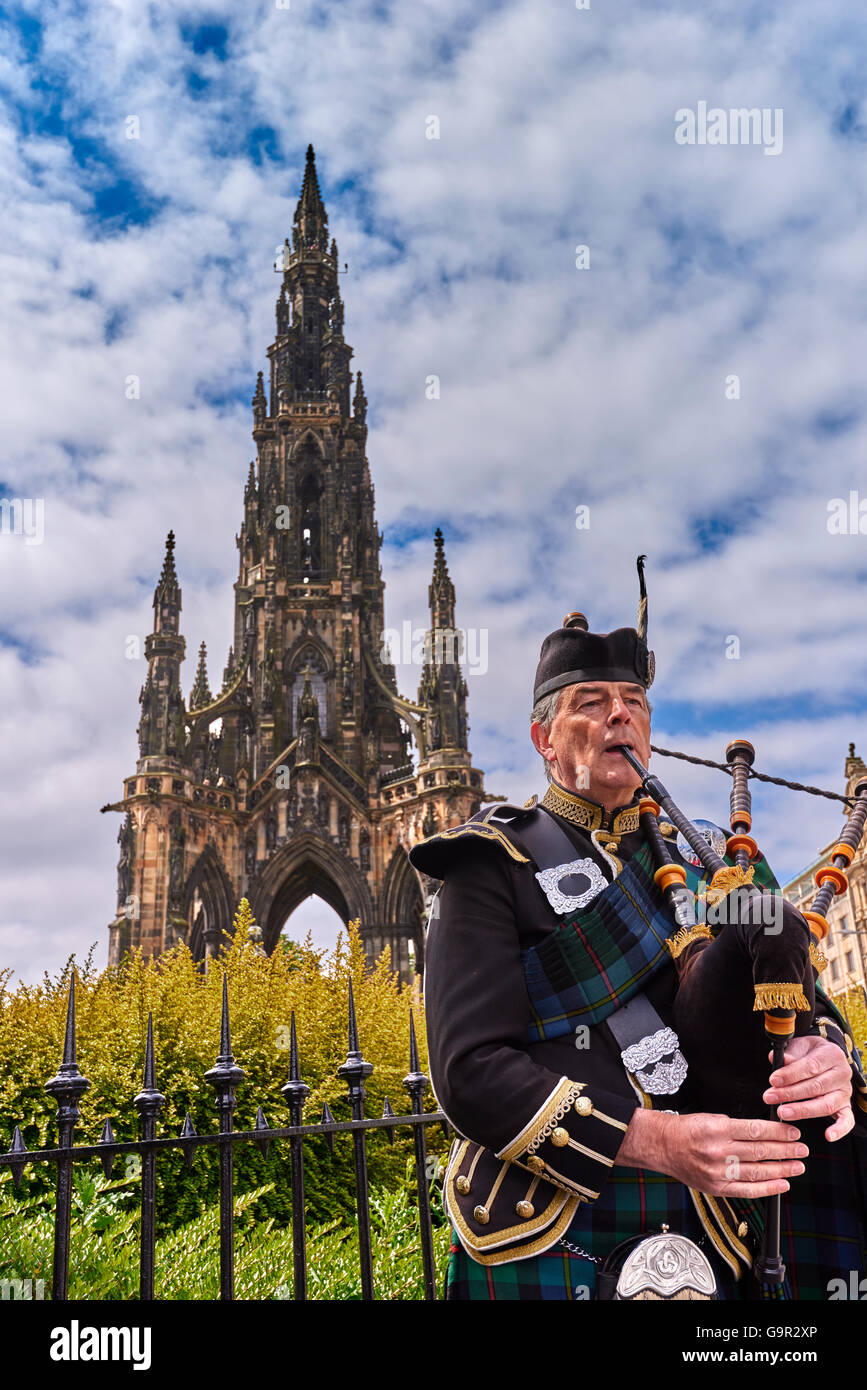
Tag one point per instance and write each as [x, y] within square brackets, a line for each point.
[846, 943]
[295, 777]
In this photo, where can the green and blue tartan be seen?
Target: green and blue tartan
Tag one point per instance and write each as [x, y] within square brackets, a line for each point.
[602, 955]
[822, 1233]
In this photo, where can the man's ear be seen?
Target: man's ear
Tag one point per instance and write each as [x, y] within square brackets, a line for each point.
[541, 742]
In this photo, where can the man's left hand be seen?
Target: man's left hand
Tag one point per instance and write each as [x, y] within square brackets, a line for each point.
[815, 1081]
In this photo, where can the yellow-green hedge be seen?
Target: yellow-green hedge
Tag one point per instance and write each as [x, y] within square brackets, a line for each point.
[112, 1009]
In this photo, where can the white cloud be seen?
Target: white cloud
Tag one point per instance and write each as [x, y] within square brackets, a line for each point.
[558, 386]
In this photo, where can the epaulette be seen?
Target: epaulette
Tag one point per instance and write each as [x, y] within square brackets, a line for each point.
[433, 855]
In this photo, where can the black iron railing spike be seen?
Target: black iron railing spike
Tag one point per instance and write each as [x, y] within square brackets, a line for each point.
[416, 1083]
[188, 1132]
[328, 1119]
[225, 1039]
[354, 1071]
[387, 1113]
[69, 1083]
[148, 1103]
[66, 1087]
[295, 1090]
[353, 1025]
[413, 1045]
[69, 1054]
[294, 1069]
[225, 1075]
[18, 1147]
[107, 1138]
[150, 1083]
[262, 1127]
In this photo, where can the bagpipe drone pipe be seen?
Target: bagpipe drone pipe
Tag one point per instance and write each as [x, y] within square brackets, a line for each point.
[746, 959]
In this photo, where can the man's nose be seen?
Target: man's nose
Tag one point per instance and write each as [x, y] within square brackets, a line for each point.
[619, 711]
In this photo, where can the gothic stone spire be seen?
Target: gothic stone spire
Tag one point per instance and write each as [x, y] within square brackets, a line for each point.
[201, 691]
[161, 729]
[441, 591]
[308, 729]
[310, 224]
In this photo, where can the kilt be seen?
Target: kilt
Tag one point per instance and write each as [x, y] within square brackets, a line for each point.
[822, 1233]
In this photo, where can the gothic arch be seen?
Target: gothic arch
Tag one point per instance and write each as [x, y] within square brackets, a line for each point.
[293, 666]
[402, 900]
[302, 445]
[292, 659]
[307, 864]
[208, 885]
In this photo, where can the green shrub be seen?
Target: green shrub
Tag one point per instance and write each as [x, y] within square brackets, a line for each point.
[112, 1009]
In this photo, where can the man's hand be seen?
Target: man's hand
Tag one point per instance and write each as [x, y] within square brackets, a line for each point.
[714, 1153]
[815, 1081]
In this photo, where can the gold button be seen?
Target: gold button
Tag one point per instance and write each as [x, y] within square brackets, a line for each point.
[560, 1137]
[535, 1164]
[584, 1105]
[463, 1185]
[482, 1215]
[525, 1210]
[666, 828]
[441, 1172]
[743, 1230]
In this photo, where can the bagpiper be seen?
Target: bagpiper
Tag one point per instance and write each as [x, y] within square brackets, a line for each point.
[589, 1162]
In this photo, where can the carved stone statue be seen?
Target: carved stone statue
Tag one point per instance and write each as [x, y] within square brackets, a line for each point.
[176, 861]
[126, 840]
[305, 741]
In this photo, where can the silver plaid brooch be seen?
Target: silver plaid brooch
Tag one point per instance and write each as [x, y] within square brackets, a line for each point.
[549, 881]
[644, 1060]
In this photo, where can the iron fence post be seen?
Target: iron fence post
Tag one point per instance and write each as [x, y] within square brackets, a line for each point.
[296, 1092]
[66, 1087]
[148, 1103]
[416, 1083]
[224, 1076]
[354, 1070]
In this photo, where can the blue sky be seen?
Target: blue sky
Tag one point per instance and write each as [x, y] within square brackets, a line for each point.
[560, 387]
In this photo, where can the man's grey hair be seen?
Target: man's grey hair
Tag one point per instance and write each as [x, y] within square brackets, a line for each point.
[545, 712]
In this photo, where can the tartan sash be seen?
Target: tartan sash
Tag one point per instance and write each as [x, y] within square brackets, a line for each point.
[602, 955]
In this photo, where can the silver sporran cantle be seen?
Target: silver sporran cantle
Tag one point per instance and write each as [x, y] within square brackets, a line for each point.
[666, 1266]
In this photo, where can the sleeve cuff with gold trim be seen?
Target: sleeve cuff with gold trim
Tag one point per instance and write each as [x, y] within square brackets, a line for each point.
[573, 1138]
[831, 1030]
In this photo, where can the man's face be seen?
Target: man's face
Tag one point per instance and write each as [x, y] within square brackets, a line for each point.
[591, 722]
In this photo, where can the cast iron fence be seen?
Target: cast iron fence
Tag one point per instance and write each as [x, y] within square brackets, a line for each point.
[69, 1084]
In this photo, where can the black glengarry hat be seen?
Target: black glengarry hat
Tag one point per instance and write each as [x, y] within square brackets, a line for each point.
[573, 655]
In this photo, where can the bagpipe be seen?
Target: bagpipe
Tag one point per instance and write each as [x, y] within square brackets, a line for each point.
[747, 960]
